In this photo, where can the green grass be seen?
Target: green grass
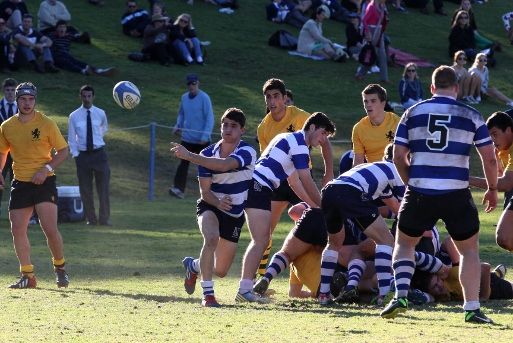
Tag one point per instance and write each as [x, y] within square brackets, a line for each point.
[127, 286]
[127, 281]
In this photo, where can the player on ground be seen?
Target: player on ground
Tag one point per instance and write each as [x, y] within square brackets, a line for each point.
[283, 118]
[285, 158]
[224, 173]
[30, 137]
[500, 127]
[431, 153]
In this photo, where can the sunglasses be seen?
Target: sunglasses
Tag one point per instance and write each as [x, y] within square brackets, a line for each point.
[483, 60]
[184, 21]
[130, 6]
[194, 83]
[463, 17]
[462, 58]
[411, 70]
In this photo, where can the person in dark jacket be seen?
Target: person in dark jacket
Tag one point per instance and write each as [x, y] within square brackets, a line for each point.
[155, 39]
[462, 36]
[354, 36]
[134, 21]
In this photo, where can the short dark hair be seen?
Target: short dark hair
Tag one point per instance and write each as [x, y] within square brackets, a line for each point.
[289, 94]
[421, 280]
[376, 89]
[235, 114]
[28, 15]
[388, 154]
[86, 88]
[500, 120]
[444, 77]
[61, 22]
[130, 1]
[9, 82]
[320, 120]
[275, 84]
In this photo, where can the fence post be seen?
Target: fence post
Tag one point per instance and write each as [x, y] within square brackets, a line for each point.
[153, 130]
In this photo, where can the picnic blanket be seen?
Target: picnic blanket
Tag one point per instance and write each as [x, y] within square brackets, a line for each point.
[317, 58]
[402, 58]
[313, 57]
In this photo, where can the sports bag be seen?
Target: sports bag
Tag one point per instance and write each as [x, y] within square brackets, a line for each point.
[367, 55]
[283, 39]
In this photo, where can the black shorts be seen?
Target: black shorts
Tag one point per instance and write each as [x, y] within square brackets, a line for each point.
[285, 193]
[259, 196]
[229, 227]
[26, 194]
[342, 202]
[499, 288]
[509, 205]
[311, 228]
[419, 212]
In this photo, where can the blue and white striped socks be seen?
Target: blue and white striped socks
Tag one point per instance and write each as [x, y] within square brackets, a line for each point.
[328, 265]
[355, 269]
[403, 270]
[278, 264]
[383, 263]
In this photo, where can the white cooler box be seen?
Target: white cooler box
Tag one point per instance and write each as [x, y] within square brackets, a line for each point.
[70, 205]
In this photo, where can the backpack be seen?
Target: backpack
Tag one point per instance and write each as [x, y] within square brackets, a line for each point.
[283, 39]
[367, 55]
[138, 56]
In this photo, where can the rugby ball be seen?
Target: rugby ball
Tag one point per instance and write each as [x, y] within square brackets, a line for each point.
[126, 94]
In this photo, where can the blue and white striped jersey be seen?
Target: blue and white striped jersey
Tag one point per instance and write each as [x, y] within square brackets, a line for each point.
[285, 153]
[235, 182]
[439, 133]
[378, 180]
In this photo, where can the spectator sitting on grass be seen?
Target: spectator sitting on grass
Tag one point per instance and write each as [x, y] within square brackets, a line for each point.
[32, 44]
[50, 12]
[481, 42]
[62, 57]
[155, 38]
[134, 21]
[480, 68]
[182, 36]
[410, 89]
[311, 41]
[470, 83]
[281, 12]
[12, 12]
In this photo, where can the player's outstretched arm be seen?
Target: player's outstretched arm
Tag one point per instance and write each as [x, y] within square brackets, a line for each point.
[214, 163]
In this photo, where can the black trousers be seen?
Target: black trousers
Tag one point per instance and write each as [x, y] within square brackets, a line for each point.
[95, 164]
[181, 173]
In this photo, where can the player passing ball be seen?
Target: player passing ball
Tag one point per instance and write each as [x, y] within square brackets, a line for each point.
[224, 174]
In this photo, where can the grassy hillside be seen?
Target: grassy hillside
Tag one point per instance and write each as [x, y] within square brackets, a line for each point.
[239, 61]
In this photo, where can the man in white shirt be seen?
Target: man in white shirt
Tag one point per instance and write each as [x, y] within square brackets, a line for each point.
[87, 125]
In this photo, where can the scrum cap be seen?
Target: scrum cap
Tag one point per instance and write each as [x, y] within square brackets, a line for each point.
[26, 88]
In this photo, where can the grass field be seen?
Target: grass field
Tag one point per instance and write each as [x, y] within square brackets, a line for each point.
[127, 281]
